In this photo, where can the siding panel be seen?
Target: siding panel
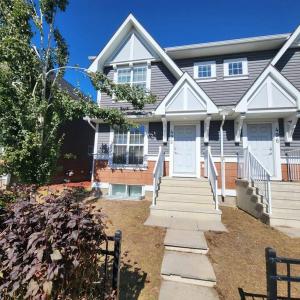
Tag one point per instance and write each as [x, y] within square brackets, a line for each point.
[103, 139]
[229, 92]
[155, 138]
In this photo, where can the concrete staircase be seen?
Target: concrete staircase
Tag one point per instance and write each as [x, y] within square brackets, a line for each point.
[186, 271]
[285, 204]
[186, 198]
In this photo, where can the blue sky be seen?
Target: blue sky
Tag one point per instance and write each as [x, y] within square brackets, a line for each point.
[87, 25]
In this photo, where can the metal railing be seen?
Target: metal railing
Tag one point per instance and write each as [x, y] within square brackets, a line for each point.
[212, 174]
[158, 172]
[293, 164]
[115, 270]
[250, 168]
[272, 260]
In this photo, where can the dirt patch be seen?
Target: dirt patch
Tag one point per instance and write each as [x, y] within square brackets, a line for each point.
[142, 248]
[238, 256]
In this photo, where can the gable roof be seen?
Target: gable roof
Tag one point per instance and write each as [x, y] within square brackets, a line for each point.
[277, 78]
[131, 23]
[293, 39]
[200, 99]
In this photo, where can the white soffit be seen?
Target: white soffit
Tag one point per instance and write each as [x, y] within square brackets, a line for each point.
[186, 96]
[132, 25]
[270, 90]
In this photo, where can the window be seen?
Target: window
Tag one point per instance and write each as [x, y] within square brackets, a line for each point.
[128, 146]
[135, 76]
[126, 191]
[205, 70]
[236, 68]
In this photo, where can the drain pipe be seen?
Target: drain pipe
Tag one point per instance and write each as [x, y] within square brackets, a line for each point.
[223, 194]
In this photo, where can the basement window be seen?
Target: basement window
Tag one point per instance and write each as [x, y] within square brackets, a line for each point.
[123, 191]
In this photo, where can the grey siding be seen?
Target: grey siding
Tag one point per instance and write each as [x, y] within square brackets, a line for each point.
[162, 82]
[289, 66]
[229, 92]
[103, 139]
[284, 147]
[230, 147]
[155, 138]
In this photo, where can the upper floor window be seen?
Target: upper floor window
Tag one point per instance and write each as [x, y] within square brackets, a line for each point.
[205, 70]
[236, 68]
[128, 146]
[135, 76]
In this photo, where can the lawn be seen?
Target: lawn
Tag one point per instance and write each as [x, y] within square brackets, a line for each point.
[238, 255]
[142, 248]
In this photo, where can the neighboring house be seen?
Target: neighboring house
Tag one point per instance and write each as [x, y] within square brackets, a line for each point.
[214, 101]
[75, 162]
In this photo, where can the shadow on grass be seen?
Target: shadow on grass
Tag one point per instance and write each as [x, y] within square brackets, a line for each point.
[252, 296]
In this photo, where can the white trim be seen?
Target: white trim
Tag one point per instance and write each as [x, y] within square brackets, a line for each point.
[242, 106]
[101, 185]
[132, 23]
[212, 65]
[275, 143]
[206, 129]
[154, 158]
[148, 188]
[238, 124]
[198, 148]
[186, 78]
[236, 77]
[286, 46]
[95, 150]
[290, 123]
[228, 193]
[244, 62]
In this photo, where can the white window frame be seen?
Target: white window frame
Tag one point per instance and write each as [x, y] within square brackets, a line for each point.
[127, 165]
[244, 62]
[126, 190]
[131, 67]
[205, 63]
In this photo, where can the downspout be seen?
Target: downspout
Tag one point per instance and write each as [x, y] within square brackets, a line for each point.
[223, 194]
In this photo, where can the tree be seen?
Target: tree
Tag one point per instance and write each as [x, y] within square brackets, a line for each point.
[33, 105]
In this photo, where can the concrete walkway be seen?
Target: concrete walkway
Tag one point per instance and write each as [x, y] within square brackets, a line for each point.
[186, 270]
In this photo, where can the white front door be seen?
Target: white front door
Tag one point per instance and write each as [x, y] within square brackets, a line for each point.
[261, 144]
[184, 151]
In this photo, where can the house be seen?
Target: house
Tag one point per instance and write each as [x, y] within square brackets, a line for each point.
[224, 110]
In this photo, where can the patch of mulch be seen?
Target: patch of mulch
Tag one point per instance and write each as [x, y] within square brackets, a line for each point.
[238, 256]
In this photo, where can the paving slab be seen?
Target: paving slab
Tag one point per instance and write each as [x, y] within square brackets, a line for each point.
[170, 290]
[185, 223]
[188, 267]
[185, 240]
[292, 232]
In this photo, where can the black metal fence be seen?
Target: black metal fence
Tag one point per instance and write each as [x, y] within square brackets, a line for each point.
[272, 260]
[115, 263]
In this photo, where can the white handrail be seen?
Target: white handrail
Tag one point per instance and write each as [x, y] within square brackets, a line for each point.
[293, 164]
[212, 174]
[260, 178]
[158, 172]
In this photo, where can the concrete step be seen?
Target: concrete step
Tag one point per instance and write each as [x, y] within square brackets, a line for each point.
[186, 241]
[186, 212]
[166, 178]
[179, 291]
[188, 268]
[285, 187]
[185, 205]
[286, 213]
[185, 190]
[285, 222]
[185, 183]
[185, 198]
[289, 204]
[290, 195]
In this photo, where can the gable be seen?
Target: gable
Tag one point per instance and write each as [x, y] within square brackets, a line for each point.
[271, 95]
[270, 91]
[186, 96]
[186, 100]
[120, 47]
[134, 48]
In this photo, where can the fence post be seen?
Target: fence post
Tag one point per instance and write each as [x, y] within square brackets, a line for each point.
[116, 264]
[271, 273]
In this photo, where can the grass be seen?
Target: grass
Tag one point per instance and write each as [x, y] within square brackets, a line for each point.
[142, 248]
[238, 256]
